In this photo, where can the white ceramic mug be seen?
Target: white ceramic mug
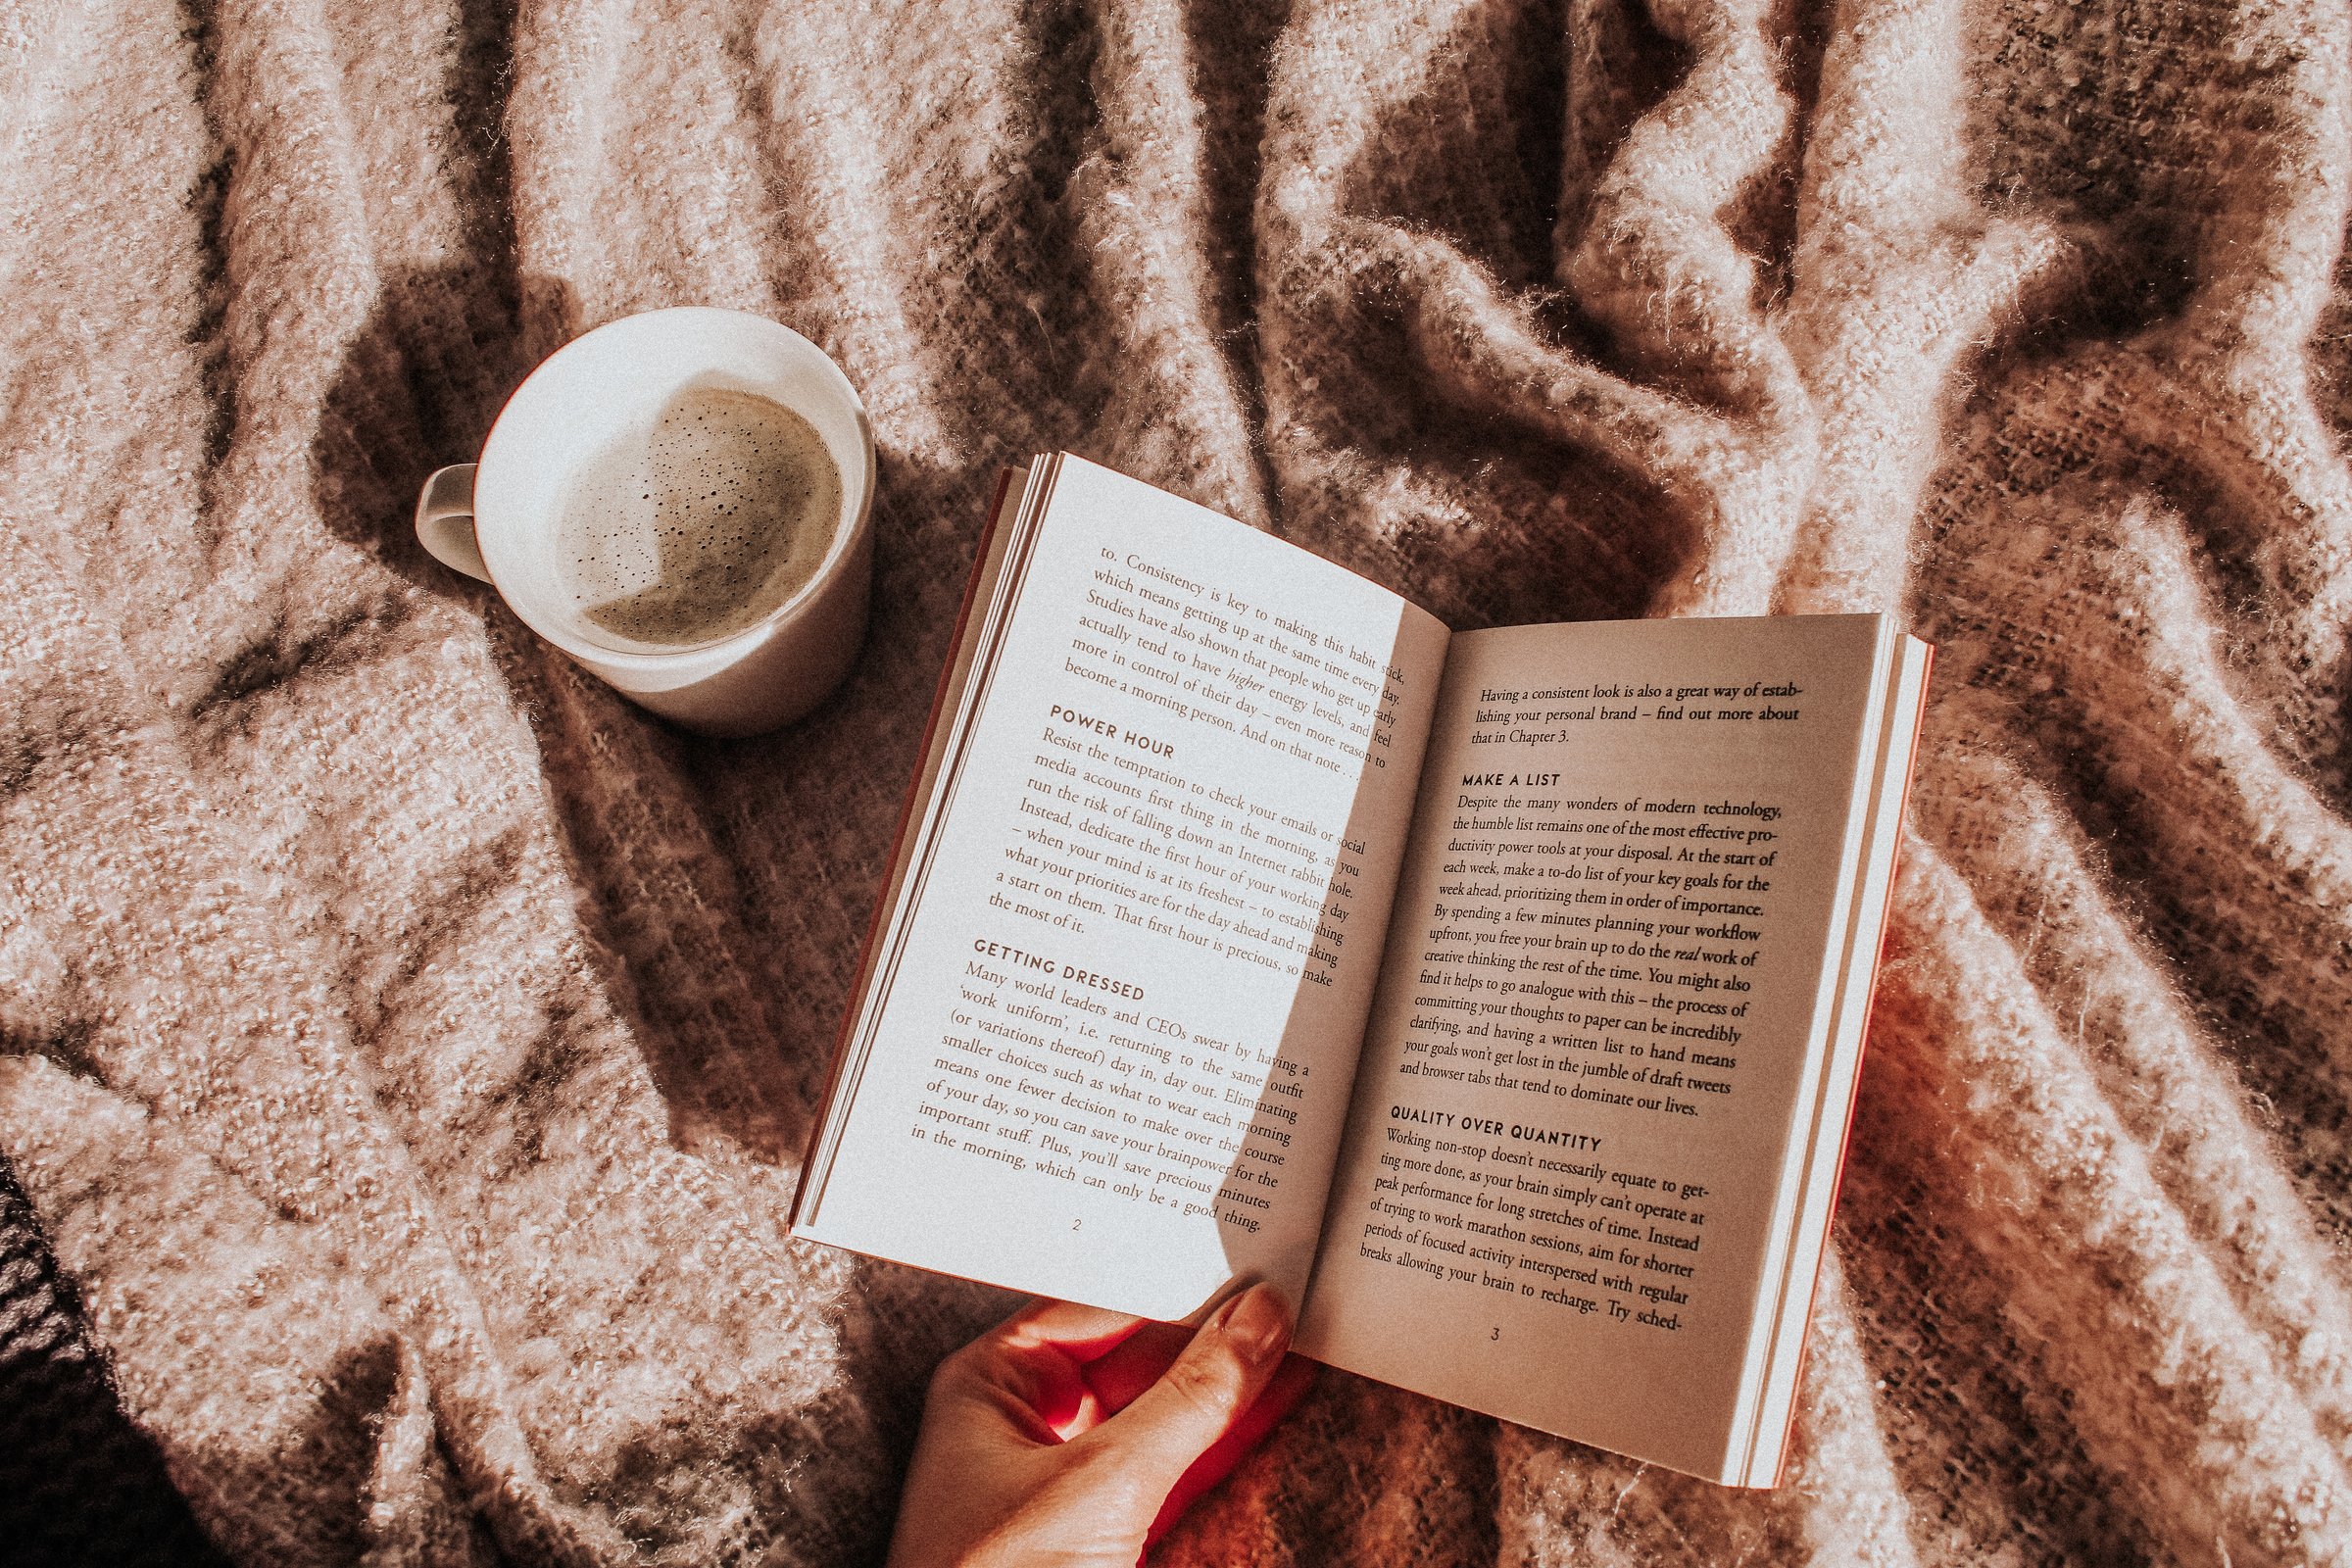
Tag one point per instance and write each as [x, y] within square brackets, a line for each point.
[497, 519]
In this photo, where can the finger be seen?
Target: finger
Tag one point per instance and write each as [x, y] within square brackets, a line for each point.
[1034, 1394]
[1027, 1368]
[1081, 1333]
[1037, 1355]
[1289, 1384]
[1123, 1372]
[1203, 1392]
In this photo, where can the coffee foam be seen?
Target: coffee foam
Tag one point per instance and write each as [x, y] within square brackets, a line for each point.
[702, 525]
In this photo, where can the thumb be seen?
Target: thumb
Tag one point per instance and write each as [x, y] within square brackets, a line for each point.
[1200, 1397]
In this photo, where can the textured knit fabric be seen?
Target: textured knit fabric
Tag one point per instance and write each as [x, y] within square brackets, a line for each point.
[407, 1047]
[80, 1486]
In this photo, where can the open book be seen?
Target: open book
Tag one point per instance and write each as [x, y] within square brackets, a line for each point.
[1498, 995]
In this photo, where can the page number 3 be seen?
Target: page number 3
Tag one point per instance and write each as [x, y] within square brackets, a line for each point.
[1496, 1335]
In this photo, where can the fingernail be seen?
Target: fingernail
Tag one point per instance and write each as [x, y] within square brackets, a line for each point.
[1255, 1323]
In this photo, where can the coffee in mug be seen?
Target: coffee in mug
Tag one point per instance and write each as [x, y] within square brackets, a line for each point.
[680, 502]
[700, 526]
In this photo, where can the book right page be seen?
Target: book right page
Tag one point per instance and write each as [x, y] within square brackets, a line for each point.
[1605, 994]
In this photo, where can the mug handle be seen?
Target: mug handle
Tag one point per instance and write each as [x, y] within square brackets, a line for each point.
[444, 520]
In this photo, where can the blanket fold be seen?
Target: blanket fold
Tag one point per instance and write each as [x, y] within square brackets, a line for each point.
[407, 1047]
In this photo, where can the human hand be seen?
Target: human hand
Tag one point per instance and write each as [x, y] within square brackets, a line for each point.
[1068, 1436]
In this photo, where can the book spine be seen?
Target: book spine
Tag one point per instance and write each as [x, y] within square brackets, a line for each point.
[898, 842]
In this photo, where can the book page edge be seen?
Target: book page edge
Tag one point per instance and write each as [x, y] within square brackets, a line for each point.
[1012, 484]
[1767, 1455]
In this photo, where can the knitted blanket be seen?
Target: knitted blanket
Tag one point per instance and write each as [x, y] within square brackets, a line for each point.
[407, 1047]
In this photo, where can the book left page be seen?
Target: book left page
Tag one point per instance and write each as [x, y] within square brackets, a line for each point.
[1109, 1022]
